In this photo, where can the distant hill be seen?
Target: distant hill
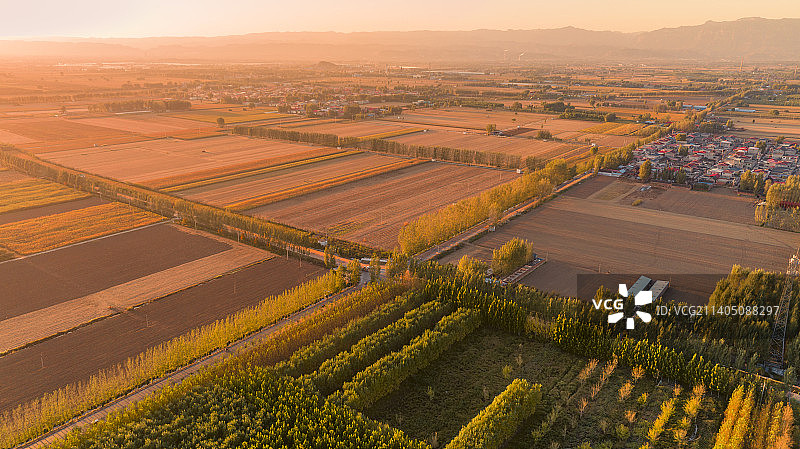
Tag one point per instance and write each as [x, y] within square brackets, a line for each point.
[755, 39]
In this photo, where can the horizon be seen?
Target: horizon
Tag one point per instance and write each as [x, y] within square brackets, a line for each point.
[92, 19]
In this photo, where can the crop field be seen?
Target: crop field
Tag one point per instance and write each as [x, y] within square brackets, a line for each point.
[14, 139]
[358, 129]
[764, 127]
[373, 210]
[210, 176]
[147, 124]
[226, 193]
[231, 115]
[52, 231]
[473, 141]
[462, 382]
[597, 233]
[471, 118]
[47, 133]
[81, 353]
[722, 204]
[155, 159]
[50, 209]
[31, 193]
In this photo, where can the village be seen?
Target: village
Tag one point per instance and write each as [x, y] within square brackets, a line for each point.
[715, 160]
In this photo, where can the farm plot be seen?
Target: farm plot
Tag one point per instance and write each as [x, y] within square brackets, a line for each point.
[373, 210]
[143, 123]
[471, 118]
[511, 145]
[155, 159]
[30, 193]
[723, 205]
[230, 115]
[55, 134]
[50, 209]
[226, 193]
[591, 235]
[435, 403]
[359, 129]
[762, 127]
[53, 231]
[81, 353]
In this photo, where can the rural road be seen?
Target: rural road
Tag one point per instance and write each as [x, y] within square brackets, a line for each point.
[434, 251]
[181, 373]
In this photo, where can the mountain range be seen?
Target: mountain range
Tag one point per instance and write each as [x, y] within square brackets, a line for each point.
[755, 40]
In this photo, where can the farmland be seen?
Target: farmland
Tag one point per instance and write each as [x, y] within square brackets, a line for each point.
[155, 159]
[229, 192]
[31, 193]
[230, 116]
[77, 355]
[52, 231]
[373, 210]
[475, 141]
[356, 129]
[145, 123]
[578, 235]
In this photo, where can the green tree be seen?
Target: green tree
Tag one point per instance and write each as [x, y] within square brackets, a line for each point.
[220, 122]
[680, 177]
[396, 265]
[330, 259]
[354, 271]
[789, 378]
[680, 137]
[469, 264]
[490, 128]
[544, 134]
[610, 117]
[513, 254]
[645, 170]
[375, 268]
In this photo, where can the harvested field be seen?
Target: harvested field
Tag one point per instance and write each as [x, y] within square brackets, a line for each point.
[722, 205]
[53, 231]
[13, 139]
[230, 115]
[608, 140]
[87, 142]
[104, 263]
[231, 173]
[584, 234]
[763, 127]
[229, 192]
[30, 193]
[511, 145]
[56, 129]
[36, 325]
[602, 128]
[77, 355]
[373, 210]
[155, 159]
[355, 129]
[50, 209]
[471, 118]
[143, 123]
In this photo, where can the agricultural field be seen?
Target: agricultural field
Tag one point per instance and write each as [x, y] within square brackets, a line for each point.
[54, 134]
[77, 355]
[764, 127]
[287, 182]
[28, 193]
[594, 232]
[471, 118]
[366, 129]
[146, 123]
[52, 231]
[373, 210]
[155, 159]
[231, 115]
[480, 141]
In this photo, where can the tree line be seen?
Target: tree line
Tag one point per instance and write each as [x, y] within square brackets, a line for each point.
[166, 105]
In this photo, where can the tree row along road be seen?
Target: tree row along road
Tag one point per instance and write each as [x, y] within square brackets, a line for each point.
[182, 373]
[434, 251]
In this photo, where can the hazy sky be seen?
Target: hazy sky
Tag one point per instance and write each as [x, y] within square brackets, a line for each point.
[136, 18]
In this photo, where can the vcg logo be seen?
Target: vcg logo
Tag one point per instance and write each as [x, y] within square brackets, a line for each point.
[642, 298]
